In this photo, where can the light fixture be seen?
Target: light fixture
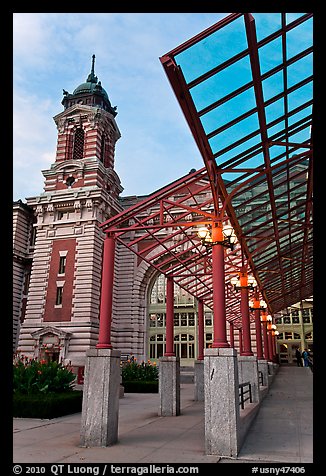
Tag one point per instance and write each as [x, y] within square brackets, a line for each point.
[263, 316]
[269, 323]
[204, 234]
[252, 282]
[235, 281]
[257, 305]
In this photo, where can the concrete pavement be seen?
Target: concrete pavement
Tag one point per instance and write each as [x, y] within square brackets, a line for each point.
[281, 432]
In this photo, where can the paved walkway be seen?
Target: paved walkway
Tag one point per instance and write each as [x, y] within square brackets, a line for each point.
[281, 432]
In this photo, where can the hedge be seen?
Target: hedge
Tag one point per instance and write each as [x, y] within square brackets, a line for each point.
[47, 406]
[139, 386]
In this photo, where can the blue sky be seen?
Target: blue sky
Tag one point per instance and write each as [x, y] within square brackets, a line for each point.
[53, 51]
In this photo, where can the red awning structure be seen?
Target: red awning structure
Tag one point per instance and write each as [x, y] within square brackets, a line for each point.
[245, 88]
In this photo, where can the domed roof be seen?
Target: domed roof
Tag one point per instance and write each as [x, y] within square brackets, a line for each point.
[90, 86]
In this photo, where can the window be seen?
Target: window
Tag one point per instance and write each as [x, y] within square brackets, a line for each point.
[158, 294]
[70, 181]
[26, 282]
[208, 339]
[184, 346]
[208, 319]
[184, 319]
[156, 346]
[32, 237]
[305, 315]
[62, 264]
[78, 147]
[103, 143]
[157, 320]
[58, 299]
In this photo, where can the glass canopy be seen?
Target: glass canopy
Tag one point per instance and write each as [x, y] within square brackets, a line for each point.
[245, 88]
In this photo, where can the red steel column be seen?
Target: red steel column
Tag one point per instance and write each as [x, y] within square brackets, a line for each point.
[270, 346]
[104, 339]
[259, 342]
[240, 342]
[265, 339]
[169, 339]
[244, 306]
[231, 334]
[219, 323]
[200, 329]
[275, 349]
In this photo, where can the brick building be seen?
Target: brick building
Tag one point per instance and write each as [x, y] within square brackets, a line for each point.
[57, 244]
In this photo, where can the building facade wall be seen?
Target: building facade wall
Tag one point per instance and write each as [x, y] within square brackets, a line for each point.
[81, 191]
[22, 228]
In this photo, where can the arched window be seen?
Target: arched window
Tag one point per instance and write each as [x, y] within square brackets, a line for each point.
[185, 322]
[181, 297]
[78, 147]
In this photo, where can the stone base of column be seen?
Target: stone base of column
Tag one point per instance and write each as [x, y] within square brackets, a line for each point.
[169, 386]
[222, 414]
[248, 372]
[271, 369]
[199, 394]
[263, 367]
[100, 410]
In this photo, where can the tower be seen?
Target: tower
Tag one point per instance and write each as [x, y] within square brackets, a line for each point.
[81, 190]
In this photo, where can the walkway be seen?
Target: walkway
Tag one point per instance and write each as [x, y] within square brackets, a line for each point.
[283, 428]
[282, 431]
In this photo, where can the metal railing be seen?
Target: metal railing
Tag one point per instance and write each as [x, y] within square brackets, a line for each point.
[260, 378]
[244, 393]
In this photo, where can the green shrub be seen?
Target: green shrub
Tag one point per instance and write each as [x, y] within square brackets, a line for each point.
[145, 372]
[51, 405]
[31, 376]
[139, 378]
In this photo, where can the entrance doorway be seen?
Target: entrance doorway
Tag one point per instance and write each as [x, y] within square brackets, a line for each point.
[287, 353]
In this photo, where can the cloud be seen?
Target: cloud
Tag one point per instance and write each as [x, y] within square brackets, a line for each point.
[34, 144]
[53, 51]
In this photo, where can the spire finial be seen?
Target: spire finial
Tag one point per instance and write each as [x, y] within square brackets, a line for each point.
[91, 77]
[93, 63]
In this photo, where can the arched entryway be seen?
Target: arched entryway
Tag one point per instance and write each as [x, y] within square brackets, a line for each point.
[185, 322]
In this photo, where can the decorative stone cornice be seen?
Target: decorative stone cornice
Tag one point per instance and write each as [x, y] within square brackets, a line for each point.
[94, 116]
[50, 330]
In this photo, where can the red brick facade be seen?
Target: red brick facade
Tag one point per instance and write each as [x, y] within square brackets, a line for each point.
[53, 311]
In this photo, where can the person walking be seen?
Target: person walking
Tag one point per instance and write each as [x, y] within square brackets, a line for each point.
[305, 356]
[298, 357]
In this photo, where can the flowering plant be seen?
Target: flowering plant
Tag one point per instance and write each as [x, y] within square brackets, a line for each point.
[145, 371]
[32, 376]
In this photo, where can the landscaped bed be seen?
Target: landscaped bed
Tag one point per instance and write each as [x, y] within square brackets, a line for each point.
[43, 389]
[139, 377]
